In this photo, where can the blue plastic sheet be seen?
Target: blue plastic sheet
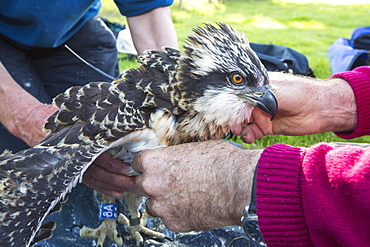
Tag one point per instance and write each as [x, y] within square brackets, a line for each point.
[83, 205]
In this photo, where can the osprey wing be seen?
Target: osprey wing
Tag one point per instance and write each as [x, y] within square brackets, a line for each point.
[90, 120]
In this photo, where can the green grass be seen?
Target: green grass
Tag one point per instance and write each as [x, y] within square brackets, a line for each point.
[309, 28]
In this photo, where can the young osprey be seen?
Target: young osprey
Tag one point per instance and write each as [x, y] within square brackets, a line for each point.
[173, 97]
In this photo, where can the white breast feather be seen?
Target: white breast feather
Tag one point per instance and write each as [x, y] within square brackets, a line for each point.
[223, 108]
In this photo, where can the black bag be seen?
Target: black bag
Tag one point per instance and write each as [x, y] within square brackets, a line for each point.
[282, 58]
[361, 38]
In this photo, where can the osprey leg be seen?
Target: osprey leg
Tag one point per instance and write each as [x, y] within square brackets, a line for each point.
[108, 226]
[137, 221]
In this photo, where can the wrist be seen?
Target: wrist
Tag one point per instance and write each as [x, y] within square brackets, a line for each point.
[14, 113]
[250, 219]
[232, 180]
[16, 103]
[338, 107]
[26, 121]
[247, 174]
[358, 79]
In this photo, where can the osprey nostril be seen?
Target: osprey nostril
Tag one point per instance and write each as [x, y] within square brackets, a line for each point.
[258, 94]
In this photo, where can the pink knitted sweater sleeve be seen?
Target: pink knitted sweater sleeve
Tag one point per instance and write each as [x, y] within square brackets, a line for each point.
[359, 79]
[318, 196]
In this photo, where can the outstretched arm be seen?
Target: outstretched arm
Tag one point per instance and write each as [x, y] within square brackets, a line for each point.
[306, 106]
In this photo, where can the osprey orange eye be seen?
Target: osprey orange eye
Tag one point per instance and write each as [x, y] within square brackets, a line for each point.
[237, 79]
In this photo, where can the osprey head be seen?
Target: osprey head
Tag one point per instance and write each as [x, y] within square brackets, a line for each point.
[220, 76]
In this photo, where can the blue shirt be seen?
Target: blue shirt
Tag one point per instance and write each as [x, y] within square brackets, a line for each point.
[47, 24]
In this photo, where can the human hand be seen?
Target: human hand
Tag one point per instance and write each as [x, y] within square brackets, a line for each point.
[306, 106]
[27, 123]
[196, 186]
[31, 129]
[109, 176]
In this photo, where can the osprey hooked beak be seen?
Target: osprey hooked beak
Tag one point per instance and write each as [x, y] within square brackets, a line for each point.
[266, 101]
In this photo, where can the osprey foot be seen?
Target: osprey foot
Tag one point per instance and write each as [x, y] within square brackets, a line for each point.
[137, 227]
[107, 228]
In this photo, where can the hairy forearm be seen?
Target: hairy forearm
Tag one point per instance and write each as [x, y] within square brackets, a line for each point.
[21, 113]
[338, 106]
[15, 101]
